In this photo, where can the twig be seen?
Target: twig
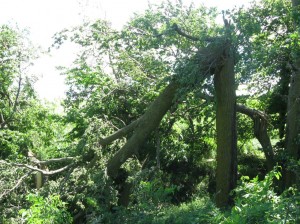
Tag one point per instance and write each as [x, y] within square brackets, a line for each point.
[16, 185]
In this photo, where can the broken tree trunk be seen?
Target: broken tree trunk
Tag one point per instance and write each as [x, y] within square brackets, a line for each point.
[293, 110]
[260, 120]
[226, 173]
[293, 124]
[146, 124]
[260, 131]
[142, 129]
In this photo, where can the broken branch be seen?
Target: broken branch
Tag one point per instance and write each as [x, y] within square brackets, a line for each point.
[44, 172]
[16, 185]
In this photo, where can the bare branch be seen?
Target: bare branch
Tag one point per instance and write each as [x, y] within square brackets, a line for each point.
[16, 185]
[180, 32]
[44, 172]
[251, 112]
[260, 120]
[190, 37]
[120, 133]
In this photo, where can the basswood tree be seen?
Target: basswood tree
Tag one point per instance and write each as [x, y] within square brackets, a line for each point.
[154, 48]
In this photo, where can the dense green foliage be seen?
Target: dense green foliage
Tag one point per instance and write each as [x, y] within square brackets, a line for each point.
[111, 84]
[48, 210]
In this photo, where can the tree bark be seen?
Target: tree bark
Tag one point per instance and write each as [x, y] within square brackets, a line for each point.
[147, 123]
[293, 111]
[226, 174]
[260, 120]
[293, 123]
[260, 131]
[145, 126]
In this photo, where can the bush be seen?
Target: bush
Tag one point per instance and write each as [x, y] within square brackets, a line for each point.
[198, 211]
[45, 210]
[257, 202]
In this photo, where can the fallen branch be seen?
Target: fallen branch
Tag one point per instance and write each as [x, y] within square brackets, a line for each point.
[147, 123]
[119, 134]
[252, 113]
[16, 185]
[44, 172]
[260, 120]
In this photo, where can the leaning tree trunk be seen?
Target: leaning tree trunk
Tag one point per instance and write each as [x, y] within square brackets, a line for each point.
[144, 127]
[260, 131]
[147, 123]
[293, 110]
[226, 174]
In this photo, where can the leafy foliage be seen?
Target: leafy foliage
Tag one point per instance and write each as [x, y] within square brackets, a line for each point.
[112, 82]
[257, 202]
[45, 210]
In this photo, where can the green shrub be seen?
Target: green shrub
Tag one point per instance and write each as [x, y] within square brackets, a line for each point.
[257, 202]
[198, 211]
[48, 210]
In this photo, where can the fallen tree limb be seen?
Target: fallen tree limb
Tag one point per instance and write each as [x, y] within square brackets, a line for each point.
[260, 120]
[251, 112]
[16, 185]
[146, 124]
[44, 172]
[119, 134]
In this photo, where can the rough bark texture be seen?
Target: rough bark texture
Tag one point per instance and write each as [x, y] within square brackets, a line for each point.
[260, 120]
[260, 131]
[293, 123]
[147, 123]
[293, 114]
[226, 173]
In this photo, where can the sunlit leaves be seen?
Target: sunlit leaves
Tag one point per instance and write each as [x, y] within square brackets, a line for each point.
[263, 31]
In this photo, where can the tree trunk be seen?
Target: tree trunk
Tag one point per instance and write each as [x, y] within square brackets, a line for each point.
[226, 174]
[293, 123]
[147, 123]
[260, 131]
[293, 112]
